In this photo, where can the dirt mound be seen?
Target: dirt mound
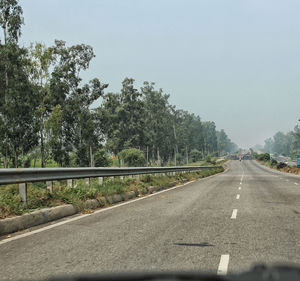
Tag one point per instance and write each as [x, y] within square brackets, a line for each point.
[293, 170]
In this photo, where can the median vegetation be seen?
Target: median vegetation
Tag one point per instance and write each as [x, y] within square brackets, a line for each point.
[39, 197]
[265, 159]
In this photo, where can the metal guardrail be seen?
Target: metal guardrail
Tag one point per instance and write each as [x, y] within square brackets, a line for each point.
[48, 175]
[14, 176]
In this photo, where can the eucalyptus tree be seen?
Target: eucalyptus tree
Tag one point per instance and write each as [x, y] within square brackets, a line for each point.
[74, 101]
[11, 21]
[296, 134]
[18, 102]
[122, 116]
[197, 133]
[223, 142]
[131, 116]
[18, 122]
[158, 130]
[210, 138]
[108, 120]
[41, 60]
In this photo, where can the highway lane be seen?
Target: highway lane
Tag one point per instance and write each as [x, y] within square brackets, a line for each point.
[268, 228]
[202, 226]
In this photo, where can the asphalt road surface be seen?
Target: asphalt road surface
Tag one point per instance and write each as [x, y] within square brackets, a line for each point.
[225, 223]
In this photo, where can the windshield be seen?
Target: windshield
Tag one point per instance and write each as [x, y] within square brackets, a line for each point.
[148, 136]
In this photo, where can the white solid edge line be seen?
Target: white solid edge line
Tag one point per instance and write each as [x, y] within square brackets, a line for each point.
[234, 214]
[223, 265]
[4, 241]
[238, 196]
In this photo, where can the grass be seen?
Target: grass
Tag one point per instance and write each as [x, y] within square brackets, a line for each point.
[39, 197]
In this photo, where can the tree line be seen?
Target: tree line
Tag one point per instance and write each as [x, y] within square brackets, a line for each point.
[284, 144]
[46, 110]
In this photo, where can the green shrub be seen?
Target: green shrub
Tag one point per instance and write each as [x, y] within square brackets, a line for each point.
[263, 157]
[208, 159]
[102, 159]
[195, 155]
[281, 165]
[133, 157]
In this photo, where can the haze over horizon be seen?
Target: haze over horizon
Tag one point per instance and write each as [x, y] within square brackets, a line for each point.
[234, 63]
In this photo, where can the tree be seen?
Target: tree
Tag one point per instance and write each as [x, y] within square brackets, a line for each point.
[41, 59]
[268, 147]
[210, 138]
[10, 22]
[17, 107]
[157, 128]
[122, 116]
[225, 145]
[77, 122]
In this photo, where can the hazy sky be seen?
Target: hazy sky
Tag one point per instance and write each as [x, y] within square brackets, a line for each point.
[233, 62]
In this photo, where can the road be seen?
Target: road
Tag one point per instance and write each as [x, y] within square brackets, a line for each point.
[202, 226]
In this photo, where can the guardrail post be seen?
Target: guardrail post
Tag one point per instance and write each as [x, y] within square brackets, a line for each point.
[137, 177]
[87, 181]
[100, 180]
[121, 178]
[130, 176]
[49, 185]
[70, 183]
[23, 192]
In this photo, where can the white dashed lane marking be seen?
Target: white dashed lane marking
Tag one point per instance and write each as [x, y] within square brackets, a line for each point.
[223, 265]
[296, 183]
[234, 214]
[238, 196]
